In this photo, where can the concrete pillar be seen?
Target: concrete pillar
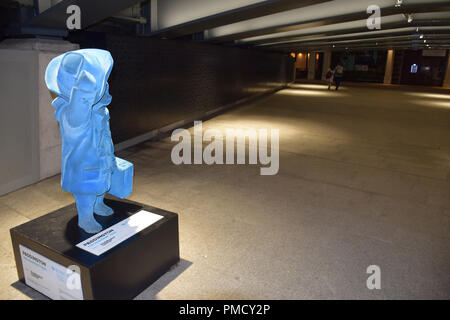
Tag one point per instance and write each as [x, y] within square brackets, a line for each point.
[43, 51]
[326, 63]
[44, 5]
[154, 16]
[389, 67]
[446, 83]
[294, 72]
[311, 65]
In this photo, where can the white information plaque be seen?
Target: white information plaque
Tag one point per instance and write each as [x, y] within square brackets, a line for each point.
[50, 278]
[111, 237]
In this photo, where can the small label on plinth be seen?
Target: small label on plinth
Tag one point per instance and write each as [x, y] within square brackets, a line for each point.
[111, 237]
[50, 278]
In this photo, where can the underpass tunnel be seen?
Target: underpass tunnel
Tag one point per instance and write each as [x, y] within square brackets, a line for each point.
[301, 143]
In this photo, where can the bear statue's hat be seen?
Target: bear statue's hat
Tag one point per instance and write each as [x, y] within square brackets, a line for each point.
[62, 71]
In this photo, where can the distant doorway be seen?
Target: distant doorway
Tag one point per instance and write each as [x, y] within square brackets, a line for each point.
[318, 66]
[301, 65]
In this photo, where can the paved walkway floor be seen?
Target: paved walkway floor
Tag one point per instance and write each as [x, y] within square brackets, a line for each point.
[364, 179]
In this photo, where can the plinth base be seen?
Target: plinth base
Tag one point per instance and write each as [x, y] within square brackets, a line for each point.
[137, 245]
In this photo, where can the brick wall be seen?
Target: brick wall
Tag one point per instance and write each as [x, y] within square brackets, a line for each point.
[155, 83]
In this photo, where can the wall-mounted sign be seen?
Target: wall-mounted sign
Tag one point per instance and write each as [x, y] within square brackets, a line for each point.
[361, 67]
[434, 53]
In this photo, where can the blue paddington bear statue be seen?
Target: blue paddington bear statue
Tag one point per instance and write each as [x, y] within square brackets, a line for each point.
[89, 168]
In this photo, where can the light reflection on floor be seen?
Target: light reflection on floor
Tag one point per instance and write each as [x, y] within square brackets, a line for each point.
[317, 93]
[437, 100]
[364, 179]
[425, 95]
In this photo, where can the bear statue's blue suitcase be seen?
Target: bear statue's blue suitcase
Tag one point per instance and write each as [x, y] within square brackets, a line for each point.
[122, 179]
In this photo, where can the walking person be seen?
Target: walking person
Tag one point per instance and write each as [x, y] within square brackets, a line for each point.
[329, 77]
[338, 74]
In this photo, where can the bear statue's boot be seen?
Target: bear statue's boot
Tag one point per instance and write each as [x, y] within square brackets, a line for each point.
[101, 208]
[85, 205]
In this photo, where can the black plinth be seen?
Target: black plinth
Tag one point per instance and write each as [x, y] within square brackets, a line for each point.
[120, 273]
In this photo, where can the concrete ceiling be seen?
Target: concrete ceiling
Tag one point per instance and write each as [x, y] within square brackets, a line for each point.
[285, 25]
[176, 18]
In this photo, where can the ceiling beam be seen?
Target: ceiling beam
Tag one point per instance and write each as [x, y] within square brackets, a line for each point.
[348, 40]
[433, 6]
[173, 20]
[363, 42]
[442, 41]
[388, 27]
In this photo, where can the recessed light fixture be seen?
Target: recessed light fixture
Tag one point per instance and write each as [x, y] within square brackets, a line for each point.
[409, 17]
[421, 36]
[398, 3]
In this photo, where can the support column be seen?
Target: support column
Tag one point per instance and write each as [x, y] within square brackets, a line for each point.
[389, 67]
[49, 140]
[154, 16]
[326, 63]
[311, 65]
[446, 82]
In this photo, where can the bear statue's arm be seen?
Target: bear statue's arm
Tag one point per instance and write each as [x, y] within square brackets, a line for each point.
[59, 104]
[82, 97]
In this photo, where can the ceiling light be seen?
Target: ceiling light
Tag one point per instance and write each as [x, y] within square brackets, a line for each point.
[421, 36]
[410, 18]
[398, 3]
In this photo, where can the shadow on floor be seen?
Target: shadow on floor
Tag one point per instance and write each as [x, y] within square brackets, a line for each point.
[151, 292]
[28, 291]
[148, 294]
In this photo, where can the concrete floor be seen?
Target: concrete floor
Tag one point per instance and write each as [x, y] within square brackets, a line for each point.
[364, 180]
